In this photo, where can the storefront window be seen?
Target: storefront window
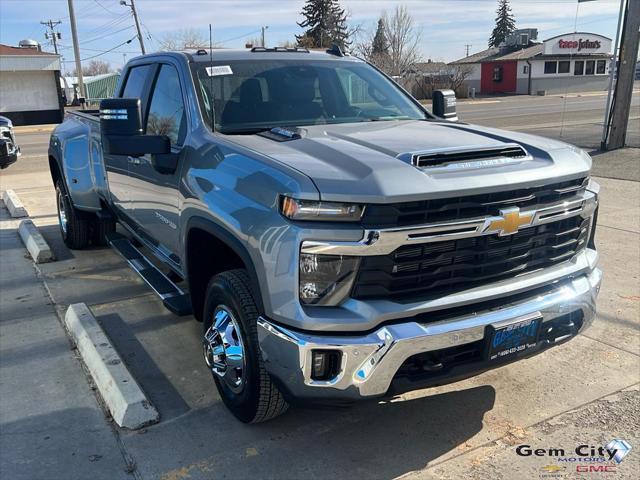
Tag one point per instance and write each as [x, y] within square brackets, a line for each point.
[497, 74]
[602, 67]
[590, 68]
[564, 66]
[550, 67]
[578, 69]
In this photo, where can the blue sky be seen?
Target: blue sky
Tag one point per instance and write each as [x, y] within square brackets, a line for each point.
[447, 25]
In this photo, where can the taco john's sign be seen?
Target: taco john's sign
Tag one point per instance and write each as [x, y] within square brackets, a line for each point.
[580, 44]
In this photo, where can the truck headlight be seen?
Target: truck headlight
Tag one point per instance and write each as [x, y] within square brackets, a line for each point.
[320, 211]
[326, 279]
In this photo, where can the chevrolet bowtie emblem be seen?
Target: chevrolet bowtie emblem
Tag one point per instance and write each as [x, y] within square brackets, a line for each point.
[509, 221]
[552, 468]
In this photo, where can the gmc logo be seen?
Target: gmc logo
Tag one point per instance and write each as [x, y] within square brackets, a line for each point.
[596, 468]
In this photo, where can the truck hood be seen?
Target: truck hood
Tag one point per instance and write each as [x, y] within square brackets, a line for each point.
[370, 162]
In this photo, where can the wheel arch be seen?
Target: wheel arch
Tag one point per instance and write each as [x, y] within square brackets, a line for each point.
[224, 251]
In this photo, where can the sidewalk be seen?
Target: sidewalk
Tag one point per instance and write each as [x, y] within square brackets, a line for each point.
[46, 128]
[623, 164]
[51, 423]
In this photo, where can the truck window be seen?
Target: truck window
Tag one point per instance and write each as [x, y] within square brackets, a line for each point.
[249, 96]
[134, 84]
[167, 113]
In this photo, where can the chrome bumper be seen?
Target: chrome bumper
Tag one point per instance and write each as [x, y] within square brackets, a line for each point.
[370, 361]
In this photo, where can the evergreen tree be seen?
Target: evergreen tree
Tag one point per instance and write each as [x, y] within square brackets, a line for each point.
[326, 24]
[505, 24]
[380, 44]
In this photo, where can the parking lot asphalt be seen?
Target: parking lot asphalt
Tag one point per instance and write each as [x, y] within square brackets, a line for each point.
[52, 424]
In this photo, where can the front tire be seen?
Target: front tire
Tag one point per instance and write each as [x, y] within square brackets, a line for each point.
[232, 352]
[74, 224]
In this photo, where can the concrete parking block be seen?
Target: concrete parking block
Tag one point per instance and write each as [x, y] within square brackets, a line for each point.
[122, 395]
[14, 205]
[36, 244]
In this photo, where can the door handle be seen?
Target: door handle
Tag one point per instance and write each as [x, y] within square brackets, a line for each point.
[134, 160]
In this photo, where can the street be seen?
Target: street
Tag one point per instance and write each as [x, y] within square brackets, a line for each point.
[583, 392]
[573, 118]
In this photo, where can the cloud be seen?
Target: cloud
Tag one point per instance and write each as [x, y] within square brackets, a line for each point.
[447, 25]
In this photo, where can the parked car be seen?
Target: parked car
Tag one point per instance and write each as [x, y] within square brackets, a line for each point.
[9, 149]
[339, 241]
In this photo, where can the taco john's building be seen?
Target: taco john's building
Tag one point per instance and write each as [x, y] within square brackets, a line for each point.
[574, 62]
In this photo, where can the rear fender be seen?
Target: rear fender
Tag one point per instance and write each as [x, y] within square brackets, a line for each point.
[78, 155]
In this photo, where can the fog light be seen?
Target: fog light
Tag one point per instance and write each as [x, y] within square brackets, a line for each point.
[325, 364]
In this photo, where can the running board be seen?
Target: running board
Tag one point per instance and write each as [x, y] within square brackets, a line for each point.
[172, 296]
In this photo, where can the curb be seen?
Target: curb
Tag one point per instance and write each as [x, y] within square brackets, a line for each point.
[124, 398]
[34, 241]
[14, 205]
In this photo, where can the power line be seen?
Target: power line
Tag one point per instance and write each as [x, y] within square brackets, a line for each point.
[108, 51]
[240, 36]
[100, 37]
[105, 8]
[110, 24]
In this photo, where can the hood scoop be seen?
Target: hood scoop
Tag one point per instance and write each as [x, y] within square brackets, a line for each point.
[470, 157]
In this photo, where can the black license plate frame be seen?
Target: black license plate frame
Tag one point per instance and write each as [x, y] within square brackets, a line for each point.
[507, 340]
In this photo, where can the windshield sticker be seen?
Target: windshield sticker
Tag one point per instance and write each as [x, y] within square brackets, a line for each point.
[219, 70]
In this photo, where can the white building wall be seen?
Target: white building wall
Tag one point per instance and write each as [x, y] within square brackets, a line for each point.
[28, 91]
[12, 63]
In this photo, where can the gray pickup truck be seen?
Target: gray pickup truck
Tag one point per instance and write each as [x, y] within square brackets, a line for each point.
[338, 241]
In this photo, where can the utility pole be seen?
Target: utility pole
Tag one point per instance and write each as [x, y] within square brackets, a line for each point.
[132, 5]
[55, 36]
[263, 29]
[626, 74]
[612, 69]
[467, 46]
[76, 49]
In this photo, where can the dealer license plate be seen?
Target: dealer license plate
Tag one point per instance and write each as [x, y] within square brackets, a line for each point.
[509, 340]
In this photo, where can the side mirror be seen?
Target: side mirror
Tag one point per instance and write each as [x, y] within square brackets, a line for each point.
[122, 133]
[444, 105]
[121, 117]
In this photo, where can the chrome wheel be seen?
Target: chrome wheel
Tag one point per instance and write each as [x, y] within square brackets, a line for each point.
[224, 350]
[62, 215]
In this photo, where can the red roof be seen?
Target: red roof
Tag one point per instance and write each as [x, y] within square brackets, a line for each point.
[9, 50]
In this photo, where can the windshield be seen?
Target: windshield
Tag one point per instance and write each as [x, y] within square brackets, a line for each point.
[254, 95]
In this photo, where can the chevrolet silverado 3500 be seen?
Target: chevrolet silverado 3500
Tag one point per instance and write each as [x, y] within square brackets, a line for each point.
[338, 241]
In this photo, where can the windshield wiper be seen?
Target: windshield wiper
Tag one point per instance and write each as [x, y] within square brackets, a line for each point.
[387, 118]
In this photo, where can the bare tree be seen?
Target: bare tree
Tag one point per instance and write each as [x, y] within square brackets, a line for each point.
[404, 40]
[458, 73]
[375, 46]
[185, 39]
[288, 44]
[254, 42]
[95, 67]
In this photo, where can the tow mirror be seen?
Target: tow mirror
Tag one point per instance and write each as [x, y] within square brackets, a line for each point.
[122, 132]
[444, 105]
[121, 117]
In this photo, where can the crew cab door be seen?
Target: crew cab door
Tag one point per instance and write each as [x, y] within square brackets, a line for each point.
[136, 85]
[154, 195]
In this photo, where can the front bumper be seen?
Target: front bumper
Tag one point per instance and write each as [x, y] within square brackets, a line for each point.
[371, 361]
